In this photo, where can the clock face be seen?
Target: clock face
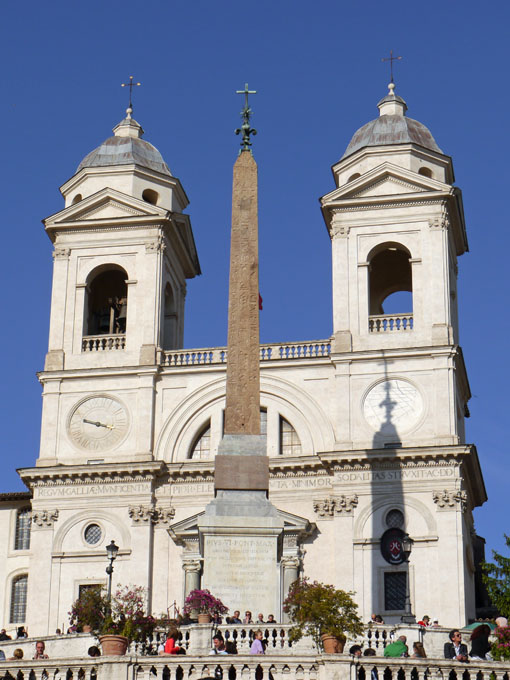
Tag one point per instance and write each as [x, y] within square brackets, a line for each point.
[97, 423]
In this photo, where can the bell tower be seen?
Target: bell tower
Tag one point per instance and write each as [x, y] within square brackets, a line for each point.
[123, 249]
[396, 224]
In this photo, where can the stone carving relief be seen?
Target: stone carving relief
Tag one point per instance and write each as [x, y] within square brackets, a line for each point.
[143, 514]
[442, 221]
[192, 565]
[44, 518]
[450, 499]
[61, 253]
[332, 506]
[155, 246]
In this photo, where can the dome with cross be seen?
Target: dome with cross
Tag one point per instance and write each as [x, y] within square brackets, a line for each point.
[392, 127]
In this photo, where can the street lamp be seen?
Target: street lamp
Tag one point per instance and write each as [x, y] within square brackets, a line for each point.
[407, 546]
[111, 551]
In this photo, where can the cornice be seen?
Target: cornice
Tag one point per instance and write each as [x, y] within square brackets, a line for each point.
[60, 475]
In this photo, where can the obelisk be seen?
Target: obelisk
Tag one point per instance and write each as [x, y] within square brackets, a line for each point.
[240, 527]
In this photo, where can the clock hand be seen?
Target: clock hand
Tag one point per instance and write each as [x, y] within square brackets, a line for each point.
[98, 424]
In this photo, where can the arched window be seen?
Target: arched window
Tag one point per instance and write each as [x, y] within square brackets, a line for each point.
[22, 533]
[18, 607]
[426, 172]
[290, 444]
[106, 312]
[391, 285]
[150, 196]
[353, 177]
[201, 449]
[170, 320]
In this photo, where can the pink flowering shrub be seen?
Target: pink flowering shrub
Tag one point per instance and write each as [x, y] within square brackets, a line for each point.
[203, 602]
[125, 615]
[501, 648]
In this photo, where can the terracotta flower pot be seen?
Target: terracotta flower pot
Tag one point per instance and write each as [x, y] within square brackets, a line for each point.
[332, 644]
[113, 645]
[204, 618]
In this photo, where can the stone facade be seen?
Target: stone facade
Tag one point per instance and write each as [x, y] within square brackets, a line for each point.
[367, 422]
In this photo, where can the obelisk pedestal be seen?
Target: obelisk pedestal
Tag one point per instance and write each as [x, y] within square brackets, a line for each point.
[240, 530]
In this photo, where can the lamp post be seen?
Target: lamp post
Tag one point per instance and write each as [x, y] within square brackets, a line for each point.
[111, 551]
[407, 546]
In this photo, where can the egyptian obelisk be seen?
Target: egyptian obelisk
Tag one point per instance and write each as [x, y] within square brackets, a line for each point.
[240, 527]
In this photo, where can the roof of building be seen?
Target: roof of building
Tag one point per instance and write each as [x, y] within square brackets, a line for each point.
[392, 127]
[126, 148]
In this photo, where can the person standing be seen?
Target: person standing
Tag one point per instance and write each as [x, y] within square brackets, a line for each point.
[256, 646]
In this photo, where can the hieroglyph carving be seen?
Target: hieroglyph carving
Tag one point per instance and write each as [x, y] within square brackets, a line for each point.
[143, 514]
[331, 506]
[44, 518]
[450, 499]
[242, 412]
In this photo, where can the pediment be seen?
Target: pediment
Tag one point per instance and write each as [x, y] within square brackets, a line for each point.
[388, 186]
[106, 204]
[187, 530]
[385, 180]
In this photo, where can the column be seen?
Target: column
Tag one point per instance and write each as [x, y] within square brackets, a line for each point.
[192, 570]
[290, 567]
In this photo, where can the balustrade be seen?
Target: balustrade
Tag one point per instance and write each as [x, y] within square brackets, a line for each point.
[101, 343]
[292, 666]
[390, 323]
[275, 352]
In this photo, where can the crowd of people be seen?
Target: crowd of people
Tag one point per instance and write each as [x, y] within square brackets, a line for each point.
[453, 649]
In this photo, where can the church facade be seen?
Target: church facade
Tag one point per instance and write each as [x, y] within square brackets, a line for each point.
[365, 429]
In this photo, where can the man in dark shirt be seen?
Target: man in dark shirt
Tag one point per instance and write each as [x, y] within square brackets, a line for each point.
[455, 649]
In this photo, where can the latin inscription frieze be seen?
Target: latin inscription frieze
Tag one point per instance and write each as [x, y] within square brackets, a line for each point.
[104, 489]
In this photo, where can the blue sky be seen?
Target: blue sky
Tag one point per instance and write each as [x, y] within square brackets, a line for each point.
[318, 72]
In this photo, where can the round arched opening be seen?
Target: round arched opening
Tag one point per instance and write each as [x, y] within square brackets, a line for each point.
[426, 172]
[150, 196]
[106, 311]
[391, 284]
[353, 177]
[77, 198]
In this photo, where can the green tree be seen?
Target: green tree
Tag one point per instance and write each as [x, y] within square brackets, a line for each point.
[496, 576]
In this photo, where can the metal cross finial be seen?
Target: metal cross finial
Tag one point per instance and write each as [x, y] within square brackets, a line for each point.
[131, 84]
[246, 113]
[391, 59]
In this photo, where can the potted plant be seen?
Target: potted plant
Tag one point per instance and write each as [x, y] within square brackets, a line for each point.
[324, 612]
[205, 604]
[87, 612]
[116, 623]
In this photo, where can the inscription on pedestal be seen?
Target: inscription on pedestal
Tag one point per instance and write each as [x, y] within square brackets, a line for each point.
[241, 571]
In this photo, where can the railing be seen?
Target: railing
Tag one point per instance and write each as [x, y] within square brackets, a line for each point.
[390, 323]
[245, 667]
[275, 352]
[101, 343]
[275, 637]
